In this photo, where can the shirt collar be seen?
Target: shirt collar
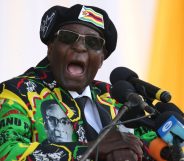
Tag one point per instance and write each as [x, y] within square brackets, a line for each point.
[86, 92]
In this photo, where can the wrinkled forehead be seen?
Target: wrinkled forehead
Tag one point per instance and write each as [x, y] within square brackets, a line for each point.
[55, 110]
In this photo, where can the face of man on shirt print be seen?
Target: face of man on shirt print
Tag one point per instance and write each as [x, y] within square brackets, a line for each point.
[58, 126]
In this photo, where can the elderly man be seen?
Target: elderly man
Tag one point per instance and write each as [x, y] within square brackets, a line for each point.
[79, 39]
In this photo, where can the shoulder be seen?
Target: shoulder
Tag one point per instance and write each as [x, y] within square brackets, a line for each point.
[18, 84]
[31, 77]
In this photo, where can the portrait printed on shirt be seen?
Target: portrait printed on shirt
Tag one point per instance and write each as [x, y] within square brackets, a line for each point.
[58, 127]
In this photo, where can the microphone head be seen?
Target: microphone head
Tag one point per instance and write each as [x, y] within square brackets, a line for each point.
[121, 73]
[120, 91]
[169, 125]
[157, 148]
[163, 117]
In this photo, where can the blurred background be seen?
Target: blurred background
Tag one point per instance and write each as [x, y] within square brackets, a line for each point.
[150, 39]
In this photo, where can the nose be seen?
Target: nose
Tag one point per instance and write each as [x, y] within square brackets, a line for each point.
[79, 45]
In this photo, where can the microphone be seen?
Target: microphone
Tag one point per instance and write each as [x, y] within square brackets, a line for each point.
[124, 92]
[171, 123]
[164, 107]
[145, 89]
[172, 132]
[159, 150]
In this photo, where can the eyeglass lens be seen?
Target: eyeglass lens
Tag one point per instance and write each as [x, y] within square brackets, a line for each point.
[70, 37]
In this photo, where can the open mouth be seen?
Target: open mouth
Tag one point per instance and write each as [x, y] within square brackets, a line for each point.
[76, 68]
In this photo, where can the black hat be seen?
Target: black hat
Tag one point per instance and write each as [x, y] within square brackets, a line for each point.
[90, 16]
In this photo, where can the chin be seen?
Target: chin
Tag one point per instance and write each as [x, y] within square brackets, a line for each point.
[73, 85]
[78, 90]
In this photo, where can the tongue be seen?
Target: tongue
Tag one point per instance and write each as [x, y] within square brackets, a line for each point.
[75, 69]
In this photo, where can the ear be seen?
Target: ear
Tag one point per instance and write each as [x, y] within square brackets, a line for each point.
[49, 49]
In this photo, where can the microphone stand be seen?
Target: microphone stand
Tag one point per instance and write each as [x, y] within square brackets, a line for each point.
[104, 133]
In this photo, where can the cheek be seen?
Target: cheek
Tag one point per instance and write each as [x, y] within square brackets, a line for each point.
[96, 62]
[99, 60]
[56, 55]
[57, 50]
[100, 57]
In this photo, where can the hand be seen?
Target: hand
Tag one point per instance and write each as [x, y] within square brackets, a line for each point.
[122, 155]
[117, 146]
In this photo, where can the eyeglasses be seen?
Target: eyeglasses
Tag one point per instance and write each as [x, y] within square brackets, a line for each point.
[70, 37]
[55, 121]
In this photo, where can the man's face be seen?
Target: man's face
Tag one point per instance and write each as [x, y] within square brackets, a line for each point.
[58, 126]
[74, 65]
